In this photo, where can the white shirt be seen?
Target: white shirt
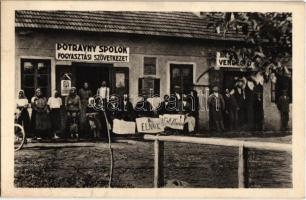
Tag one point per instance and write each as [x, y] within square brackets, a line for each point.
[103, 92]
[178, 96]
[55, 102]
[22, 102]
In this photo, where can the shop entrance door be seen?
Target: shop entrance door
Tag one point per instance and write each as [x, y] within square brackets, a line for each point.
[182, 76]
[93, 75]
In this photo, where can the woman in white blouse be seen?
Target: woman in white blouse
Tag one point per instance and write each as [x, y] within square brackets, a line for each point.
[22, 105]
[55, 103]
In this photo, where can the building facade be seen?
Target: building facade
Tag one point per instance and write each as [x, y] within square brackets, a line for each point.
[134, 52]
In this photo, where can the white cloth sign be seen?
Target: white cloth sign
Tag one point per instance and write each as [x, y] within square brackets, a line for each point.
[123, 127]
[149, 125]
[174, 121]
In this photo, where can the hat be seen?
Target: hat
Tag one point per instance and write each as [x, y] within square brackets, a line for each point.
[215, 88]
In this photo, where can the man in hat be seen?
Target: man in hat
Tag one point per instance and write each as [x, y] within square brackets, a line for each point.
[283, 106]
[231, 110]
[216, 107]
[103, 93]
[240, 96]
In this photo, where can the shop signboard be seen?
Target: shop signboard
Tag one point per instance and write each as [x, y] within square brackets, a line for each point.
[222, 60]
[91, 53]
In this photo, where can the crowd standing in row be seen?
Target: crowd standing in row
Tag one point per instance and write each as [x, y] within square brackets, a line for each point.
[82, 115]
[242, 107]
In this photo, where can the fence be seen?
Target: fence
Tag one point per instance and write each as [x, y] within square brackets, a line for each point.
[242, 155]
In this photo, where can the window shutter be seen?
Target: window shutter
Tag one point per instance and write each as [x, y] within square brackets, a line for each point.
[157, 87]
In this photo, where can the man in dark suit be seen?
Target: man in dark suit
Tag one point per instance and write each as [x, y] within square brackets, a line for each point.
[216, 107]
[283, 106]
[144, 108]
[165, 107]
[126, 109]
[231, 110]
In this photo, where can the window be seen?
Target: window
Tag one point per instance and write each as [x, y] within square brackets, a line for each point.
[149, 66]
[181, 75]
[149, 86]
[35, 73]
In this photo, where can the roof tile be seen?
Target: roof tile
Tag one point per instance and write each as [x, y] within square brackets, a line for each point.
[175, 24]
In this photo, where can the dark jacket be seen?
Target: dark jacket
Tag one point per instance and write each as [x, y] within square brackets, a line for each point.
[126, 111]
[143, 109]
[216, 103]
[283, 104]
[230, 103]
[166, 108]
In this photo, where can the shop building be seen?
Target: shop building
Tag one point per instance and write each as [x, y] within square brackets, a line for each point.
[134, 52]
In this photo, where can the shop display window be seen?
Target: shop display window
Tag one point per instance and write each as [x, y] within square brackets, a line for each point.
[35, 73]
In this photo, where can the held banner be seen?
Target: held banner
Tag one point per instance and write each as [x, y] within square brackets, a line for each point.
[123, 127]
[157, 125]
[173, 121]
[149, 125]
[91, 53]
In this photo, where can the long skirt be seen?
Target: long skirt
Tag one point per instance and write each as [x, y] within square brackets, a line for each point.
[24, 120]
[83, 111]
[55, 116]
[33, 122]
[42, 124]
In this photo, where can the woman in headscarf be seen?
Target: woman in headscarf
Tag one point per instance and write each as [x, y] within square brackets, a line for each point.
[42, 120]
[92, 125]
[55, 103]
[22, 104]
[73, 107]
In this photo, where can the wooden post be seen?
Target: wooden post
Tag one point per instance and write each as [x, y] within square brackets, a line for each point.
[158, 163]
[241, 167]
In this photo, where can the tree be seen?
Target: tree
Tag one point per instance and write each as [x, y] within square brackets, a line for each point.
[268, 39]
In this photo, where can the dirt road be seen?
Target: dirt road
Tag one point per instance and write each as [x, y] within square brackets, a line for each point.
[86, 164]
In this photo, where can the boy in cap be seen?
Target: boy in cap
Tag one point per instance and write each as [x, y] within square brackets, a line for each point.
[216, 107]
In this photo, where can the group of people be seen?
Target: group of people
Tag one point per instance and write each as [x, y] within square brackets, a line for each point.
[241, 107]
[84, 114]
[45, 115]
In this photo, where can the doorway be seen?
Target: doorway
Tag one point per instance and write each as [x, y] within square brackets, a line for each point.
[93, 75]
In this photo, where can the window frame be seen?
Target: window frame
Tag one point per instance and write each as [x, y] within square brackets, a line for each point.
[144, 64]
[36, 74]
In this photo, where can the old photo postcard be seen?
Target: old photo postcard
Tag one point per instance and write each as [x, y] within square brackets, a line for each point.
[156, 99]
